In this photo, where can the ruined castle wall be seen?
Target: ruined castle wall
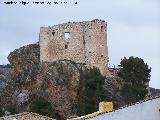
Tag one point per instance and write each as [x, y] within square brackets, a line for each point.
[54, 46]
[82, 42]
[96, 45]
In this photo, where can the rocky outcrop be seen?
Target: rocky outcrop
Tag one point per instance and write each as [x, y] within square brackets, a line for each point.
[5, 76]
[6, 71]
[57, 82]
[25, 67]
[25, 63]
[60, 85]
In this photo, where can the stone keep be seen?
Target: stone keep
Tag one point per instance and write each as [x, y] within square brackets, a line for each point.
[81, 42]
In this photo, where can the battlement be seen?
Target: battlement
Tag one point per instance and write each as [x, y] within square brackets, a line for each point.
[81, 42]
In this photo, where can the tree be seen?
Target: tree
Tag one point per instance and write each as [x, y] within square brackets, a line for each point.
[41, 106]
[1, 112]
[136, 75]
[91, 91]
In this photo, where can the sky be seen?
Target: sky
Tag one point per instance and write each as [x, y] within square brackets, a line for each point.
[133, 26]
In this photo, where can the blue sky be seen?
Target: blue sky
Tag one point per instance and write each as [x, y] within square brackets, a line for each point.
[133, 27]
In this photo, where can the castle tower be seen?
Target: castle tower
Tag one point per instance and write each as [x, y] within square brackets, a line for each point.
[81, 42]
[96, 51]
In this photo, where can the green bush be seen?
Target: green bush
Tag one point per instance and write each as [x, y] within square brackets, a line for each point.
[1, 112]
[41, 106]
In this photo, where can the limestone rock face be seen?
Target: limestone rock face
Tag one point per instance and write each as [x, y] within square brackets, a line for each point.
[57, 82]
[61, 86]
[22, 97]
[2, 83]
[5, 75]
[25, 67]
[25, 63]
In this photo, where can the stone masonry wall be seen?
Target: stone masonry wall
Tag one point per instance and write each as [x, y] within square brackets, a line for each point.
[81, 42]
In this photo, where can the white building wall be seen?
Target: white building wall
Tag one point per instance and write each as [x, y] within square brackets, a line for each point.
[149, 110]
